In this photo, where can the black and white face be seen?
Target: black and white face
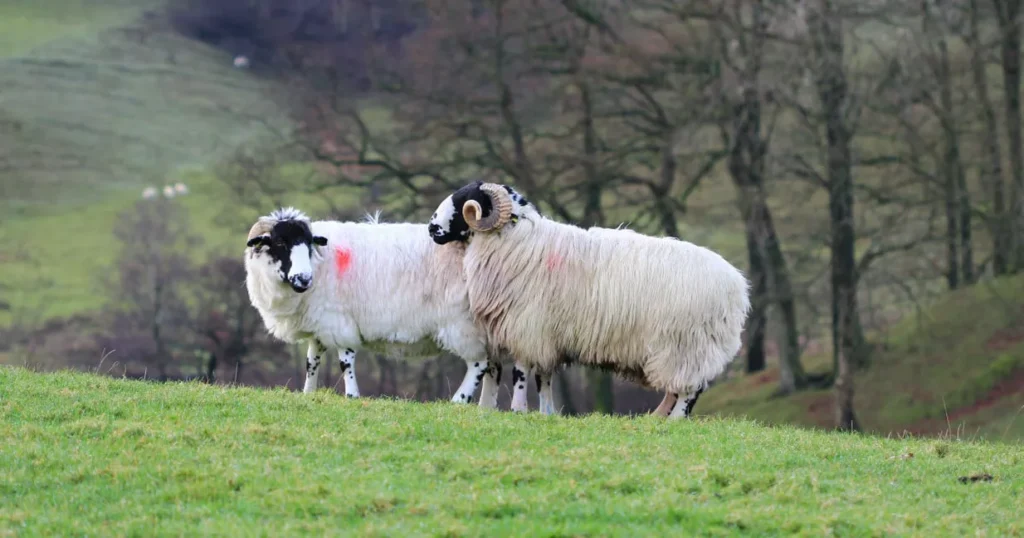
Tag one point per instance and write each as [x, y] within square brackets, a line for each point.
[447, 223]
[288, 250]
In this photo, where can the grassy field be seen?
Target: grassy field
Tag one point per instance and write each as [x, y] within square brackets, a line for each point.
[956, 368]
[25, 24]
[96, 105]
[90, 455]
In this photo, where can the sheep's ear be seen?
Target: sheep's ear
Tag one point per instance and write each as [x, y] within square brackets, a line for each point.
[258, 240]
[319, 240]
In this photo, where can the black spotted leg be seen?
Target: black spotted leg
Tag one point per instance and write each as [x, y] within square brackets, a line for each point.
[314, 355]
[347, 360]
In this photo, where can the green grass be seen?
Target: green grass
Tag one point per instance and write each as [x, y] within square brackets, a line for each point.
[90, 115]
[91, 455]
[957, 368]
[25, 24]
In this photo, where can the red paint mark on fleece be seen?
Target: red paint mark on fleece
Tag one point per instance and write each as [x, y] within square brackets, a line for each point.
[342, 260]
[553, 261]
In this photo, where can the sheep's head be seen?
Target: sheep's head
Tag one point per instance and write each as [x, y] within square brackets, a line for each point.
[477, 207]
[285, 241]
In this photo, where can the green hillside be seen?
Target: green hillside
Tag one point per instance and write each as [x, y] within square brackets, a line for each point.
[956, 368]
[91, 455]
[98, 102]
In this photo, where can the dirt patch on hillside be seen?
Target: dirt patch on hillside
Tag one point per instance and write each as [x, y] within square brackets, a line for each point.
[1005, 338]
[763, 378]
[821, 409]
[1006, 388]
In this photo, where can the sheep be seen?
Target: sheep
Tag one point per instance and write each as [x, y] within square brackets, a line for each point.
[662, 312]
[168, 191]
[149, 193]
[180, 188]
[345, 285]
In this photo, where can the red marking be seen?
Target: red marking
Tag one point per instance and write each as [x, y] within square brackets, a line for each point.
[553, 261]
[342, 260]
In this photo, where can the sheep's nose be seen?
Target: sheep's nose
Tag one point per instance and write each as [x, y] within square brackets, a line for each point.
[434, 229]
[300, 283]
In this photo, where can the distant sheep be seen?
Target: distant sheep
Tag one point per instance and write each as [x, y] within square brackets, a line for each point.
[180, 188]
[347, 285]
[168, 191]
[149, 193]
[662, 312]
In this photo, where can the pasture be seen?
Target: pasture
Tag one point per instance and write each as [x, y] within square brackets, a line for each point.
[94, 455]
[97, 103]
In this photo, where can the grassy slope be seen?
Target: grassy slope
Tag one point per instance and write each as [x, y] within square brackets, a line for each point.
[97, 455]
[963, 357]
[27, 24]
[89, 116]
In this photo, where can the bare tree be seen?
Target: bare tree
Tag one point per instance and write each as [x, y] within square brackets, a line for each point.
[744, 37]
[999, 224]
[830, 79]
[225, 324]
[959, 247]
[1008, 13]
[149, 312]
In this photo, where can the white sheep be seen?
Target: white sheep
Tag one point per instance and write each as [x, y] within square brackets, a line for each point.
[347, 285]
[665, 313]
[149, 193]
[168, 191]
[180, 188]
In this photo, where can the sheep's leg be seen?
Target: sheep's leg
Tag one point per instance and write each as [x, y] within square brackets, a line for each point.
[489, 390]
[519, 374]
[666, 405]
[347, 358]
[314, 354]
[474, 375]
[684, 406]
[546, 397]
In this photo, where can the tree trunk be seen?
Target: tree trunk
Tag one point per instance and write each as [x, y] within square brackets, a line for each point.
[951, 164]
[791, 371]
[211, 369]
[846, 419]
[758, 319]
[593, 186]
[992, 169]
[768, 271]
[967, 272]
[771, 284]
[830, 79]
[1008, 14]
[960, 260]
[662, 203]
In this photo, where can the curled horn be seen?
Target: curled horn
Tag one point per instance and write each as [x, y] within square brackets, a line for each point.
[263, 226]
[501, 209]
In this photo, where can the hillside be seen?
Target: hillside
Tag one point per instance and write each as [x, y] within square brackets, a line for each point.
[97, 455]
[955, 368]
[99, 100]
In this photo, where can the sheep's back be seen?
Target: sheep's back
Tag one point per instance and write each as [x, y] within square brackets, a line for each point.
[609, 296]
[388, 276]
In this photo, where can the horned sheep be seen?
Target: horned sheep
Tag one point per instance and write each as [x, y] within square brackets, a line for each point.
[663, 312]
[345, 285]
